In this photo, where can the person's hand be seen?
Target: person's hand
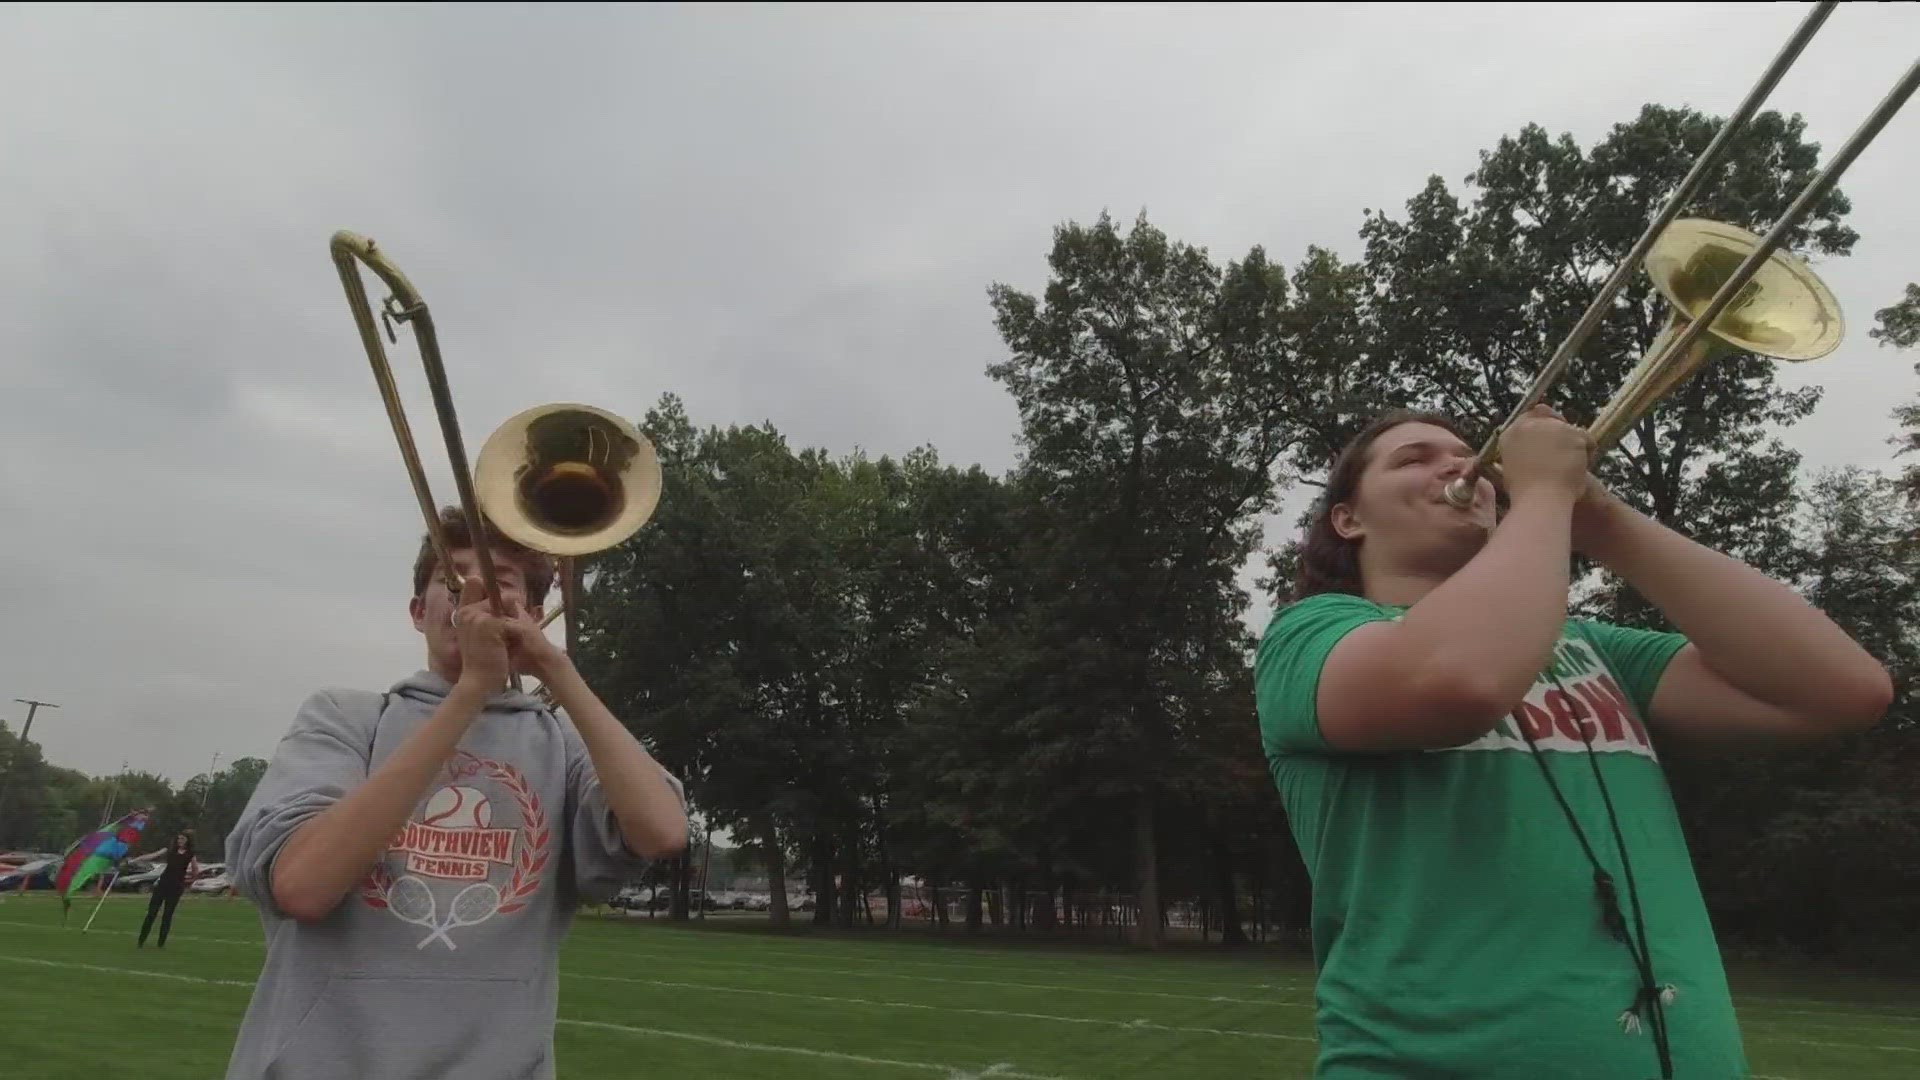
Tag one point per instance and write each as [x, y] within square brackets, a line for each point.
[530, 650]
[1543, 454]
[482, 637]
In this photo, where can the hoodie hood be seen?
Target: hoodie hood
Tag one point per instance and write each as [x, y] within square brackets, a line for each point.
[430, 690]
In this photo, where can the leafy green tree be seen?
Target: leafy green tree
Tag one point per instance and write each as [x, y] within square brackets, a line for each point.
[211, 803]
[25, 798]
[1863, 565]
[1157, 393]
[1772, 829]
[722, 628]
[1899, 325]
[967, 796]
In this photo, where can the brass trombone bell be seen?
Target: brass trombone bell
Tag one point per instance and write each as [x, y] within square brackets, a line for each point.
[567, 479]
[1783, 311]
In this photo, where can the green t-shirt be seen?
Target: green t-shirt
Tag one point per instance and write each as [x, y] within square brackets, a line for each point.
[1455, 925]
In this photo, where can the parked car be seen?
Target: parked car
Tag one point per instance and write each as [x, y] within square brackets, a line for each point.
[136, 876]
[632, 897]
[37, 874]
[212, 883]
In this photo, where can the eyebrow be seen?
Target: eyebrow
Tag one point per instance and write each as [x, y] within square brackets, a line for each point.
[500, 561]
[502, 571]
[1421, 446]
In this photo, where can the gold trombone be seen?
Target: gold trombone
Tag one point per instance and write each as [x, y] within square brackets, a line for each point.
[1729, 290]
[563, 479]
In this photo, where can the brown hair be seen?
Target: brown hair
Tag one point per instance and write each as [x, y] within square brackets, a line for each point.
[1328, 561]
[537, 568]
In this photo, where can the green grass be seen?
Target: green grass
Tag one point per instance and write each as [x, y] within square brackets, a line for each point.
[737, 1002]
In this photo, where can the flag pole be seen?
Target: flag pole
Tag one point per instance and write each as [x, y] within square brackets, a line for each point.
[103, 899]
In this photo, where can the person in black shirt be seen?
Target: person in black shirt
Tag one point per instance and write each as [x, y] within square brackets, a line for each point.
[167, 891]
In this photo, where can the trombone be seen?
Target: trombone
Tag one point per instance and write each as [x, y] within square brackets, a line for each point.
[1728, 290]
[563, 479]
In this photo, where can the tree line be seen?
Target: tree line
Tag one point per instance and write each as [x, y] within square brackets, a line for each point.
[1032, 691]
[44, 807]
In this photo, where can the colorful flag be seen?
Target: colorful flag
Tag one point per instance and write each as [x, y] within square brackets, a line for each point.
[96, 852]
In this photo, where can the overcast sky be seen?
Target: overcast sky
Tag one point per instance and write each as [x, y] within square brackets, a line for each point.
[781, 214]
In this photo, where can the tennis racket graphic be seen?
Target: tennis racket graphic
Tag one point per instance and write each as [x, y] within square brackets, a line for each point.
[412, 901]
[474, 904]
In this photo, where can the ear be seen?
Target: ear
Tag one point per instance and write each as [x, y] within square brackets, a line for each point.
[1346, 524]
[417, 607]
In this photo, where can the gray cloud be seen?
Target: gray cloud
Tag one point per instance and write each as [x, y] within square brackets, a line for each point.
[786, 214]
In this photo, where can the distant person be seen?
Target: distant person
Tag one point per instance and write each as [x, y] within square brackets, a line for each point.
[170, 887]
[1501, 888]
[417, 856]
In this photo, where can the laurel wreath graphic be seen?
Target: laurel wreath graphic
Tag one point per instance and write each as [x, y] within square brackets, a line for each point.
[373, 891]
[376, 891]
[533, 825]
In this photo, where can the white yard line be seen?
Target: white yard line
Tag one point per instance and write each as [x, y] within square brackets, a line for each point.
[106, 969]
[1217, 999]
[1832, 1012]
[1129, 1025]
[951, 1072]
[55, 927]
[1138, 1024]
[1837, 1045]
[681, 958]
[962, 959]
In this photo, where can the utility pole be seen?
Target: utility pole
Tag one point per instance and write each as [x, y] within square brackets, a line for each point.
[33, 707]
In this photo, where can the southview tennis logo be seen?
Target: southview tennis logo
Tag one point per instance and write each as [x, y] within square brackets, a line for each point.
[1591, 703]
[455, 839]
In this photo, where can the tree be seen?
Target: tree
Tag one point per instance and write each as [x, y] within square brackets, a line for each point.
[1899, 325]
[1831, 810]
[1863, 565]
[211, 803]
[24, 790]
[974, 793]
[1156, 393]
[662, 628]
[774, 626]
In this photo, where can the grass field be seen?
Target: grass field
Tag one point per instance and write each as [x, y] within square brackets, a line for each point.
[736, 1001]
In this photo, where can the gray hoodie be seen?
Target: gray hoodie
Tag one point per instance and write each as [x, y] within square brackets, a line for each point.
[444, 961]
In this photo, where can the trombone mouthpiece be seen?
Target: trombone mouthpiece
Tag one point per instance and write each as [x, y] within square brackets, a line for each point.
[1459, 492]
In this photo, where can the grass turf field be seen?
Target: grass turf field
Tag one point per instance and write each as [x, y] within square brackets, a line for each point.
[732, 1000]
